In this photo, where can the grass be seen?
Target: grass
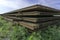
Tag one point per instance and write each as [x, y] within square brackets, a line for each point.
[10, 32]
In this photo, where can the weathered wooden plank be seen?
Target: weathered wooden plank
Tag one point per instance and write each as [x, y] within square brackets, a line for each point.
[41, 19]
[8, 19]
[39, 13]
[14, 18]
[13, 14]
[25, 13]
[49, 13]
[36, 13]
[33, 26]
[29, 19]
[49, 23]
[38, 20]
[32, 13]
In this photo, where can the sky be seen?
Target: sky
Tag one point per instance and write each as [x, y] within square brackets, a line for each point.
[10, 5]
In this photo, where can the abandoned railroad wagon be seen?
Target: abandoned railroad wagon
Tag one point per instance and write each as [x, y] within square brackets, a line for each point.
[33, 17]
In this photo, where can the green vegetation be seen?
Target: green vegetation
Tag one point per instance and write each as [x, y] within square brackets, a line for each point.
[8, 31]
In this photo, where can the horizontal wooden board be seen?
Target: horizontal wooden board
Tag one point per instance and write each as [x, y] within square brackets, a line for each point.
[49, 13]
[38, 20]
[14, 18]
[32, 13]
[49, 23]
[28, 25]
[25, 13]
[41, 19]
[8, 19]
[33, 26]
[13, 14]
[39, 13]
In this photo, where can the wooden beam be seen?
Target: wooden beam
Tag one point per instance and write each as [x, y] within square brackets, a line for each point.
[33, 26]
[33, 13]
